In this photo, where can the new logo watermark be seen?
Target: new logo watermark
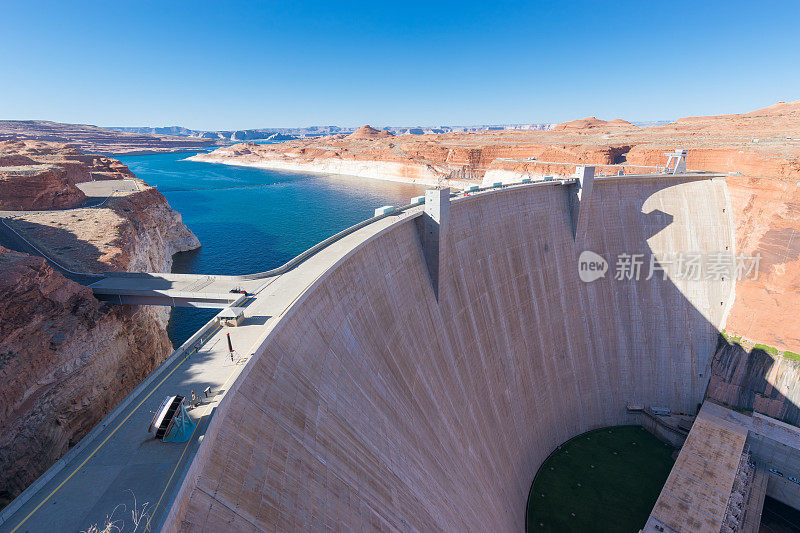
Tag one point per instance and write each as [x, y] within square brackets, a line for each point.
[685, 266]
[591, 266]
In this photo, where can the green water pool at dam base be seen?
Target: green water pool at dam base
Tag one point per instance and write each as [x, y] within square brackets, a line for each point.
[605, 480]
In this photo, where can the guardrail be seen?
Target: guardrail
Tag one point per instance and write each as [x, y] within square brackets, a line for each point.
[352, 229]
[323, 244]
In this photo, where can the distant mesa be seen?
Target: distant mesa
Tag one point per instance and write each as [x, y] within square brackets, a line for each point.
[368, 132]
[779, 119]
[216, 135]
[592, 122]
[779, 108]
[244, 135]
[254, 135]
[93, 139]
[281, 137]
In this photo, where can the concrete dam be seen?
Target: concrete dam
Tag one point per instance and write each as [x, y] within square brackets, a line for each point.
[421, 379]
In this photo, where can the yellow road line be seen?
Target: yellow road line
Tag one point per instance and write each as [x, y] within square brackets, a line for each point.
[101, 444]
[180, 459]
[208, 410]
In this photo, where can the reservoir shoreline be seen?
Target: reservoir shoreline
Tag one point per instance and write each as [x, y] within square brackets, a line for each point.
[377, 170]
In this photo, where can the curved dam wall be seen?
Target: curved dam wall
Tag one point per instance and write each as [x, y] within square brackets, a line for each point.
[373, 405]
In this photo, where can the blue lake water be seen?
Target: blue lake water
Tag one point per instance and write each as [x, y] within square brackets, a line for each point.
[251, 220]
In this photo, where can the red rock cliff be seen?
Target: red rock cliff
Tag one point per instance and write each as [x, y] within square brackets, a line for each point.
[67, 359]
[756, 380]
[766, 214]
[38, 175]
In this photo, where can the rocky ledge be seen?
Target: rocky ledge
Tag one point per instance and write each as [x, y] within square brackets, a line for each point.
[65, 361]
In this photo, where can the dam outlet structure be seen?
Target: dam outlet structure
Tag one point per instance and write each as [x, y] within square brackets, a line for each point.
[432, 362]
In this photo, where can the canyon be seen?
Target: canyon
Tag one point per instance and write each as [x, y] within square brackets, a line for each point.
[67, 359]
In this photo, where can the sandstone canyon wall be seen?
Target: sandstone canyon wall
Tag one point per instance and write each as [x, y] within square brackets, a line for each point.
[36, 187]
[766, 214]
[767, 218]
[65, 361]
[36, 175]
[755, 380]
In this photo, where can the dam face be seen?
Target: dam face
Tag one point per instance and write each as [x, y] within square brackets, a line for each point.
[371, 405]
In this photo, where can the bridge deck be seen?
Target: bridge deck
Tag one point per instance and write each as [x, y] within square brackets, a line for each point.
[176, 290]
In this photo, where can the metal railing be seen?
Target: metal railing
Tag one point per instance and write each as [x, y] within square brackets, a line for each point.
[352, 229]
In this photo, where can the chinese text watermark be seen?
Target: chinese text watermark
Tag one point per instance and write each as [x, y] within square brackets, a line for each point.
[689, 266]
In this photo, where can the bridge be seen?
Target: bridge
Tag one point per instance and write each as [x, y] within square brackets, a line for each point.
[118, 459]
[174, 290]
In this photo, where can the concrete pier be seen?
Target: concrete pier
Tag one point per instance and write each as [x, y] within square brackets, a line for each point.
[435, 221]
[728, 464]
[580, 197]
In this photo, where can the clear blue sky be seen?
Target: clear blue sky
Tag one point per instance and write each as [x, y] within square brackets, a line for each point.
[226, 65]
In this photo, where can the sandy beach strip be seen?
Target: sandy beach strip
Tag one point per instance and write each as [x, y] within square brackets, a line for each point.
[380, 170]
